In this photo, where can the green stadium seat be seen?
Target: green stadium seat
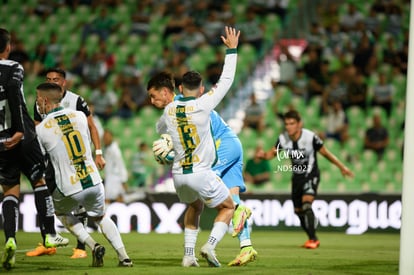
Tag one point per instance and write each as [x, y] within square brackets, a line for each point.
[328, 182]
[197, 62]
[377, 182]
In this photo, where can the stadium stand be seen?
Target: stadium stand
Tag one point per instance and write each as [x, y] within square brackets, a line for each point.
[24, 20]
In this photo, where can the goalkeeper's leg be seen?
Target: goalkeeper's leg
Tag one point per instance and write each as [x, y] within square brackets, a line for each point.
[247, 252]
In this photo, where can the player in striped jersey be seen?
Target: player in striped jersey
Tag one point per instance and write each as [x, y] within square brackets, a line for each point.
[75, 102]
[64, 135]
[301, 146]
[20, 153]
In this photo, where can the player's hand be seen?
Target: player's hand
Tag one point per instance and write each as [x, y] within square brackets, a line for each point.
[100, 162]
[232, 37]
[346, 172]
[13, 141]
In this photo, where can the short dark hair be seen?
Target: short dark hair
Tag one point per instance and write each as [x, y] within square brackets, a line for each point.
[4, 39]
[292, 114]
[161, 80]
[56, 70]
[191, 80]
[48, 86]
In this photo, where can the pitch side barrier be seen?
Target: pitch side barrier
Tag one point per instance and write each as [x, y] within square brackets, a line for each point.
[163, 213]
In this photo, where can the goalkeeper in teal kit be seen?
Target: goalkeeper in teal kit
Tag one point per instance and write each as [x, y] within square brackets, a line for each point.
[229, 165]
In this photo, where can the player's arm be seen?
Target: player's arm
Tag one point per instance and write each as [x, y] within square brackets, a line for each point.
[333, 159]
[270, 154]
[99, 159]
[216, 94]
[82, 106]
[36, 115]
[161, 126]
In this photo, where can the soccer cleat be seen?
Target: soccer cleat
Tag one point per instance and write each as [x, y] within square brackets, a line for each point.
[41, 250]
[9, 258]
[189, 261]
[240, 216]
[97, 255]
[125, 263]
[55, 241]
[311, 244]
[247, 254]
[79, 254]
[210, 255]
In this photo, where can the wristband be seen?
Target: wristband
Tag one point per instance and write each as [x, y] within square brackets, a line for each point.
[98, 152]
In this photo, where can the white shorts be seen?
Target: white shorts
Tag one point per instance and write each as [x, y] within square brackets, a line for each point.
[92, 199]
[206, 186]
[113, 188]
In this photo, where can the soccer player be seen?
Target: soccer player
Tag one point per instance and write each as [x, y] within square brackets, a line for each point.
[302, 145]
[20, 153]
[64, 135]
[75, 102]
[187, 120]
[115, 172]
[229, 165]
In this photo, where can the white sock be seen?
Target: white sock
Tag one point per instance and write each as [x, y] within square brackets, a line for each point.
[90, 242]
[190, 239]
[217, 233]
[112, 234]
[75, 227]
[245, 243]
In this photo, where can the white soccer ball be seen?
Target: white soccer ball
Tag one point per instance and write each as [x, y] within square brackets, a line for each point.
[163, 149]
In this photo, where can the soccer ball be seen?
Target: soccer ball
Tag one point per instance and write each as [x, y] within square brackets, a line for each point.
[162, 149]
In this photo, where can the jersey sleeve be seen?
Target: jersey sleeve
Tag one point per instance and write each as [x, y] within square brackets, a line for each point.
[278, 145]
[213, 97]
[36, 115]
[161, 126]
[82, 106]
[317, 142]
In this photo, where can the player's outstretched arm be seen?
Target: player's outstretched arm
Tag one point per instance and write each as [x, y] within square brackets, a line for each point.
[332, 158]
[232, 37]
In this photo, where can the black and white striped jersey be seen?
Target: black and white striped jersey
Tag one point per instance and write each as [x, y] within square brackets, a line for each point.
[14, 116]
[302, 153]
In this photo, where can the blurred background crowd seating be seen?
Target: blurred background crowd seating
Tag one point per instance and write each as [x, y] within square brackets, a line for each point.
[122, 43]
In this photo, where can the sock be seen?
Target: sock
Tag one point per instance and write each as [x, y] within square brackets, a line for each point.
[244, 236]
[217, 233]
[310, 223]
[10, 212]
[190, 239]
[75, 227]
[45, 209]
[301, 216]
[309, 220]
[112, 234]
[236, 199]
[90, 242]
[82, 216]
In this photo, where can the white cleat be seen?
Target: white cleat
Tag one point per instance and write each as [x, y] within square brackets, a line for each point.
[189, 261]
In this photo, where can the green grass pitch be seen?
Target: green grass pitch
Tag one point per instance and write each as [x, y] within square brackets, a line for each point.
[279, 253]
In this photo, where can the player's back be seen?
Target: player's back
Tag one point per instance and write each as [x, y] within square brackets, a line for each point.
[188, 124]
[64, 134]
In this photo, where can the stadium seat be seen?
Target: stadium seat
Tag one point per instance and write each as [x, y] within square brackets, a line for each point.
[329, 182]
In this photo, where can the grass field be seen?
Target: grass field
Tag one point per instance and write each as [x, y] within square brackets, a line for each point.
[279, 253]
